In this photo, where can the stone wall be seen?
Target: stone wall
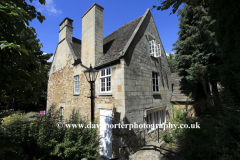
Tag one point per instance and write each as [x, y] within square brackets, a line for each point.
[195, 108]
[131, 87]
[61, 89]
[138, 68]
[61, 84]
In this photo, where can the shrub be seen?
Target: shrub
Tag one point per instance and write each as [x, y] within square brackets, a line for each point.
[42, 139]
[217, 138]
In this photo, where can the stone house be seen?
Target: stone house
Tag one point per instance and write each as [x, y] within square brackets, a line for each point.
[133, 83]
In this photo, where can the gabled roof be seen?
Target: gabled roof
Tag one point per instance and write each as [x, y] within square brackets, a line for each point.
[76, 46]
[182, 89]
[114, 44]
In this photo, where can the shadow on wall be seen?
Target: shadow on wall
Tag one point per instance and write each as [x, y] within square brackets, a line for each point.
[136, 40]
[125, 137]
[192, 95]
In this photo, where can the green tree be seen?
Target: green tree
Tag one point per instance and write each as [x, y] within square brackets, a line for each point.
[227, 29]
[22, 63]
[197, 51]
[172, 62]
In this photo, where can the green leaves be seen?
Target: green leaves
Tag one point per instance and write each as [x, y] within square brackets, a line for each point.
[40, 17]
[196, 48]
[22, 65]
[172, 62]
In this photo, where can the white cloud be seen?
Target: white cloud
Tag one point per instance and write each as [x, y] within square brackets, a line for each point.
[51, 59]
[49, 7]
[170, 52]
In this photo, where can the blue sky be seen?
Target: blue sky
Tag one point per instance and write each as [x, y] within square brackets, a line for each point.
[115, 14]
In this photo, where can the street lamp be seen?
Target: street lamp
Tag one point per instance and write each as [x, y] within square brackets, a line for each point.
[91, 75]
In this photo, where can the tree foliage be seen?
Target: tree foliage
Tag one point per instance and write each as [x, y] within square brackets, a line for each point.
[47, 137]
[22, 63]
[197, 51]
[227, 29]
[172, 62]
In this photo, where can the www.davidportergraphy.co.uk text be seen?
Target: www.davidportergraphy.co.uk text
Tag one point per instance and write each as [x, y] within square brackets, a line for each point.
[132, 126]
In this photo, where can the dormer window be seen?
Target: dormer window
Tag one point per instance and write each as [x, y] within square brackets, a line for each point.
[158, 51]
[155, 50]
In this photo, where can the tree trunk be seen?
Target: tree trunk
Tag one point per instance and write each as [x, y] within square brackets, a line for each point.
[216, 98]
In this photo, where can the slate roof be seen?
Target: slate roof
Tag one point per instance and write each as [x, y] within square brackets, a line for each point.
[76, 46]
[113, 44]
[181, 89]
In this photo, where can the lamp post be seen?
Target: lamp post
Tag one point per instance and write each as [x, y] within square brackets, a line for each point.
[91, 75]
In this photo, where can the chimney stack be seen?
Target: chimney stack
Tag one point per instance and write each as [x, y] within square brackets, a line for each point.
[92, 35]
[66, 29]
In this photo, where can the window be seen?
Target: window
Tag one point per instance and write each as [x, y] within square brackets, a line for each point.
[155, 83]
[62, 114]
[105, 80]
[154, 118]
[158, 51]
[76, 84]
[152, 46]
[54, 68]
[155, 50]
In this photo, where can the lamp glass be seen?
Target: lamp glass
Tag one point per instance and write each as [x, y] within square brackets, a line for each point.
[91, 74]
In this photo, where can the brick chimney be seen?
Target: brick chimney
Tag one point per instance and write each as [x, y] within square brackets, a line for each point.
[92, 35]
[66, 29]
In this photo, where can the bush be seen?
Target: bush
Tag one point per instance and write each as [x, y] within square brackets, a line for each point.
[4, 113]
[42, 139]
[217, 138]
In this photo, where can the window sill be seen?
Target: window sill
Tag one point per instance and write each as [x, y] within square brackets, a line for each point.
[155, 129]
[105, 94]
[156, 94]
[75, 94]
[153, 57]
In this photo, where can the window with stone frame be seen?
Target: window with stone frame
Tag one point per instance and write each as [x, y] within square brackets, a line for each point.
[158, 51]
[156, 118]
[155, 82]
[155, 50]
[152, 46]
[105, 80]
[76, 84]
